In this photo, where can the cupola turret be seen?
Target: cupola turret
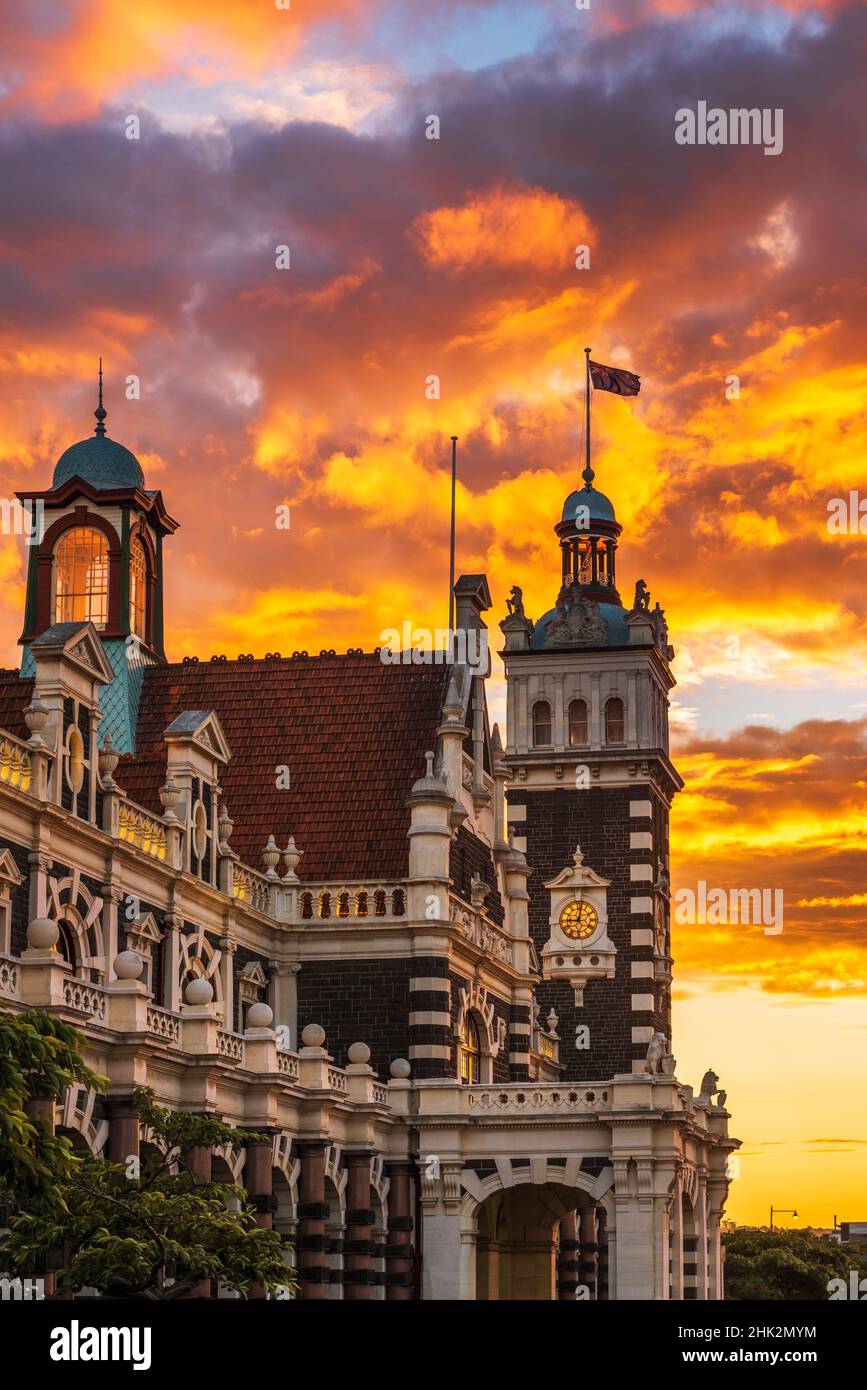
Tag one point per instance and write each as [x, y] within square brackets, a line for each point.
[96, 557]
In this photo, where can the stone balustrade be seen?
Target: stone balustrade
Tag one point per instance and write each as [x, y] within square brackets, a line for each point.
[141, 828]
[16, 768]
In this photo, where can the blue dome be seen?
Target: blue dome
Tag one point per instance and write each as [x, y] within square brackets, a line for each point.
[612, 615]
[601, 509]
[100, 461]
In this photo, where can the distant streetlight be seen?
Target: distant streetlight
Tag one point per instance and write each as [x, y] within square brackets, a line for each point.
[782, 1211]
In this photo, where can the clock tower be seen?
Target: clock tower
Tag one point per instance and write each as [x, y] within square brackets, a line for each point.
[591, 787]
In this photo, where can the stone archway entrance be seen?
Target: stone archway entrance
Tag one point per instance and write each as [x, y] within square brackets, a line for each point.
[527, 1246]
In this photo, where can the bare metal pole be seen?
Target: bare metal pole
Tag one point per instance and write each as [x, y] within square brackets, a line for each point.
[452, 552]
[587, 405]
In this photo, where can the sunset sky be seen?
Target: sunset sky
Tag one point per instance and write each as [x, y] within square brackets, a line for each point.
[305, 127]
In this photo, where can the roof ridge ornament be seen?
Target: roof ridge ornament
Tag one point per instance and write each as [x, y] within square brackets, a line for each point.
[100, 411]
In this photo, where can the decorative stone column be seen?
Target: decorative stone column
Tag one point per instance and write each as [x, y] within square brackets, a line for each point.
[399, 1262]
[587, 1260]
[602, 1293]
[717, 1191]
[198, 1162]
[359, 1219]
[312, 1213]
[677, 1243]
[567, 1262]
[259, 1178]
[123, 1129]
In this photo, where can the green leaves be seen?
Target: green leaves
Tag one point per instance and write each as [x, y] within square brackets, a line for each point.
[39, 1058]
[773, 1266]
[155, 1235]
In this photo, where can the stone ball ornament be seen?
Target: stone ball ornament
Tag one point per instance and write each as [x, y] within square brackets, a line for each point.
[260, 1016]
[42, 934]
[128, 965]
[199, 992]
[313, 1035]
[400, 1069]
[358, 1052]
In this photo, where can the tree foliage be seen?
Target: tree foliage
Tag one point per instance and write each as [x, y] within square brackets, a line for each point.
[776, 1266]
[141, 1229]
[40, 1057]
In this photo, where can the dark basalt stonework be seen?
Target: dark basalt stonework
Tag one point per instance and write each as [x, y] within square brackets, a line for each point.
[598, 820]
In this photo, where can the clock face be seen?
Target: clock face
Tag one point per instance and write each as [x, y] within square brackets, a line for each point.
[578, 921]
[660, 928]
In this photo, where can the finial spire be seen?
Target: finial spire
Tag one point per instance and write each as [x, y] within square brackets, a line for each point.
[100, 411]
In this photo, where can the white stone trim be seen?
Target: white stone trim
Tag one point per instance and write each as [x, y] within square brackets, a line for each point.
[642, 1003]
[641, 905]
[519, 842]
[427, 982]
[640, 808]
[638, 970]
[425, 1016]
[517, 812]
[641, 873]
[641, 936]
[524, 1029]
[642, 1035]
[432, 1050]
[640, 839]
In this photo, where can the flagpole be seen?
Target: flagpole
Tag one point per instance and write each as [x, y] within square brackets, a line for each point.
[587, 405]
[452, 552]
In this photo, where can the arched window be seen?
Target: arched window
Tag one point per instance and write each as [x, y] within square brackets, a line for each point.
[306, 904]
[324, 904]
[541, 723]
[578, 722]
[343, 904]
[81, 577]
[614, 721]
[137, 587]
[470, 1052]
[66, 947]
[379, 903]
[398, 903]
[361, 903]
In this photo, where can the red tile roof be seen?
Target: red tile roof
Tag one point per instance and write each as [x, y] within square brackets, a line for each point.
[15, 696]
[352, 731]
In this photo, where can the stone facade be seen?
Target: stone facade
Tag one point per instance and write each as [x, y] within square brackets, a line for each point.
[437, 1127]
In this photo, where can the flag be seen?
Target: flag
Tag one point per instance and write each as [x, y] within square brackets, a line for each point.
[615, 379]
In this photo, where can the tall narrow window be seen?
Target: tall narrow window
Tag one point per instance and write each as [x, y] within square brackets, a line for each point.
[471, 1052]
[541, 723]
[578, 722]
[137, 587]
[614, 721]
[81, 577]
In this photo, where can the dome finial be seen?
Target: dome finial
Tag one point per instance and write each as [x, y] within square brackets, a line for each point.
[100, 411]
[588, 475]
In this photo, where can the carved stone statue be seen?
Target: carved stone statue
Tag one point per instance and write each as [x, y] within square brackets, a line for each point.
[709, 1086]
[660, 632]
[515, 602]
[657, 1050]
[641, 602]
[576, 623]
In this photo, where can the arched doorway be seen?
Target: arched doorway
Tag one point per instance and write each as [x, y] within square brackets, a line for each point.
[522, 1235]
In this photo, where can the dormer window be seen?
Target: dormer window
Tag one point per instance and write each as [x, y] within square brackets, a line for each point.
[137, 588]
[81, 577]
